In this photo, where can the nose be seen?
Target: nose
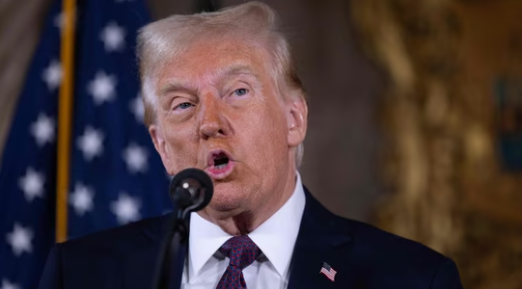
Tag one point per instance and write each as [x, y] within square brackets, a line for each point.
[211, 117]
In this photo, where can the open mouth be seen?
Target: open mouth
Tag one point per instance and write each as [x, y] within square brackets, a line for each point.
[220, 164]
[221, 160]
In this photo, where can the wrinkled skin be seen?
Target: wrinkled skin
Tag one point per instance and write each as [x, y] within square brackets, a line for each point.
[220, 95]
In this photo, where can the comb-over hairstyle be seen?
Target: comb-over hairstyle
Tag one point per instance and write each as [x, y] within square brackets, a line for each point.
[252, 21]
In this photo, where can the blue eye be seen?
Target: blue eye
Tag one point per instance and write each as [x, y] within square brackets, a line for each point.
[241, 91]
[184, 105]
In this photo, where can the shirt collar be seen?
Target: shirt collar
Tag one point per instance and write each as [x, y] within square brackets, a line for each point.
[275, 237]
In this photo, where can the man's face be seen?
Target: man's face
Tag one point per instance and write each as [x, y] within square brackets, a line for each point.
[218, 109]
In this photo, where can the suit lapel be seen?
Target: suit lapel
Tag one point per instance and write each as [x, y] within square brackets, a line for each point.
[321, 239]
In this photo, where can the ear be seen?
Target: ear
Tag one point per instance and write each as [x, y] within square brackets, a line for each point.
[296, 115]
[161, 147]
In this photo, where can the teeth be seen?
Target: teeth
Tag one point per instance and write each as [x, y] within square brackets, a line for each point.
[222, 166]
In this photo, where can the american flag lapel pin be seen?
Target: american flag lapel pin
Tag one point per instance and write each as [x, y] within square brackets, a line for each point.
[328, 271]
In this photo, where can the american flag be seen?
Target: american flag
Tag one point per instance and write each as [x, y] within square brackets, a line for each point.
[328, 271]
[116, 176]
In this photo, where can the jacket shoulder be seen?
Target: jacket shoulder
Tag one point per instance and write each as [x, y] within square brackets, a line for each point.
[382, 242]
[380, 253]
[389, 259]
[118, 239]
[376, 258]
[100, 260]
[369, 240]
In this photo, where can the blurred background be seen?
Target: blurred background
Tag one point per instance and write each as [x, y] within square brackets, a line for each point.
[415, 120]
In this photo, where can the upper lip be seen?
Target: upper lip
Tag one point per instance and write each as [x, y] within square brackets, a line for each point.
[215, 152]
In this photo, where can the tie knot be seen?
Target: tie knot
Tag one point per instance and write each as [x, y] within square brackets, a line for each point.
[241, 250]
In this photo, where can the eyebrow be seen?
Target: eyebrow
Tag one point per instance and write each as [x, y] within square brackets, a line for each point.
[175, 85]
[222, 74]
[235, 70]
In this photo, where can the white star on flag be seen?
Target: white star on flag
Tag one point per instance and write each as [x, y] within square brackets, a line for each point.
[126, 209]
[8, 285]
[32, 184]
[20, 239]
[52, 75]
[113, 37]
[91, 143]
[43, 129]
[102, 87]
[59, 20]
[81, 199]
[136, 106]
[136, 158]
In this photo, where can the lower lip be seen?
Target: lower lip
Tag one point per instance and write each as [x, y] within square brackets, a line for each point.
[221, 172]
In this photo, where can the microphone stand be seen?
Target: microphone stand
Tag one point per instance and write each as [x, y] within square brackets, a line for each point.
[172, 254]
[190, 191]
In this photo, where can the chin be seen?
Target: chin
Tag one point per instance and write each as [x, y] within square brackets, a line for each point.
[227, 198]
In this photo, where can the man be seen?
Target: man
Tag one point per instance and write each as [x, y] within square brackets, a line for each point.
[221, 95]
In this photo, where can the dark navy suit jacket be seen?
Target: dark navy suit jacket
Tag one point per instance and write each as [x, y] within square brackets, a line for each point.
[363, 256]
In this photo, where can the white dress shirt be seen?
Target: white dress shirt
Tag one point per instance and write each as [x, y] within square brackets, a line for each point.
[275, 237]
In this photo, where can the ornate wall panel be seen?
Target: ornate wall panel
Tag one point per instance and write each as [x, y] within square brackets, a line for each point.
[453, 114]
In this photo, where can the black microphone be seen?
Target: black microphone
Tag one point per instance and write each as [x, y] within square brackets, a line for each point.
[190, 190]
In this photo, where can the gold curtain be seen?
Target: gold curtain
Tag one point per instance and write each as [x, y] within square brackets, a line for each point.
[448, 188]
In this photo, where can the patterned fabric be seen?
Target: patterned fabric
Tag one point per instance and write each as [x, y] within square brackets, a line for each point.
[242, 252]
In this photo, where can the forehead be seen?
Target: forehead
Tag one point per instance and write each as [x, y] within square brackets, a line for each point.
[214, 58]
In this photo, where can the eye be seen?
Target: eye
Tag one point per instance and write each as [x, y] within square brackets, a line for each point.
[184, 105]
[240, 91]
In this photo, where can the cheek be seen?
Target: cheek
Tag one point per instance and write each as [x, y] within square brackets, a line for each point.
[267, 133]
[181, 147]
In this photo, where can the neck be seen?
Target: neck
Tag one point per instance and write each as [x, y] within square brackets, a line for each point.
[245, 220]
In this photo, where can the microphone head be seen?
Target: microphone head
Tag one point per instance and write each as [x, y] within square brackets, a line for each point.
[191, 190]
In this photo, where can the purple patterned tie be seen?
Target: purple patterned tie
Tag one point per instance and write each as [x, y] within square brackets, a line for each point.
[242, 252]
